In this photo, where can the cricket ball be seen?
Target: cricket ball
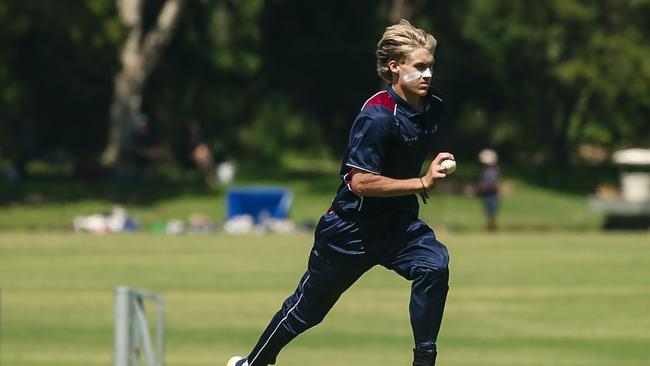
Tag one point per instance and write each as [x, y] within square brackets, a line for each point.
[449, 165]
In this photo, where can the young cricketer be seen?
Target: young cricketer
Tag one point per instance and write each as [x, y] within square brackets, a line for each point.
[373, 219]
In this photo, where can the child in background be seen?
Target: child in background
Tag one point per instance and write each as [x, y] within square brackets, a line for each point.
[489, 186]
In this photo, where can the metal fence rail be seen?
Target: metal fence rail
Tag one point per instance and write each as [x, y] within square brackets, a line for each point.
[132, 338]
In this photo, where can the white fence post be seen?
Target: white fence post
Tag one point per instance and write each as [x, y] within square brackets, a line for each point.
[122, 340]
[160, 328]
[133, 340]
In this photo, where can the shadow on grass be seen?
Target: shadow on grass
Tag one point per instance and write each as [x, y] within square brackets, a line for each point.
[567, 179]
[43, 189]
[148, 190]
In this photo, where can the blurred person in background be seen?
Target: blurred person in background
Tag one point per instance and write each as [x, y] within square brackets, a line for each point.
[488, 186]
[144, 149]
[200, 152]
[373, 219]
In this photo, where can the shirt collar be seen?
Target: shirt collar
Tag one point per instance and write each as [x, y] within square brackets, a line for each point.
[408, 109]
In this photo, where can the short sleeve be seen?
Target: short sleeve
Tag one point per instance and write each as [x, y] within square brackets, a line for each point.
[368, 143]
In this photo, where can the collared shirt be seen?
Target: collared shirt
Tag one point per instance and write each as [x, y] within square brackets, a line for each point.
[391, 138]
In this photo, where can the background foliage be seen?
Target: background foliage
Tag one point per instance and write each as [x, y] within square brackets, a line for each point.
[286, 77]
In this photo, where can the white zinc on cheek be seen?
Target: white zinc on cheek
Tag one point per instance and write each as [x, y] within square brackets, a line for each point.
[416, 75]
[412, 76]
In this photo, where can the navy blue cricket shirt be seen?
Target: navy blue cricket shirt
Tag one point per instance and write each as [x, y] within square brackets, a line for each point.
[391, 138]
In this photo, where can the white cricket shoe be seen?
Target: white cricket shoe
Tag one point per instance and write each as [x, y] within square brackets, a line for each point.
[237, 361]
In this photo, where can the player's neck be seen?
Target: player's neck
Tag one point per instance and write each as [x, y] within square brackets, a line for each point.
[414, 100]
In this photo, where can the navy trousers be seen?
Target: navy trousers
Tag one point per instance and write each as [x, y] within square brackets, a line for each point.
[412, 251]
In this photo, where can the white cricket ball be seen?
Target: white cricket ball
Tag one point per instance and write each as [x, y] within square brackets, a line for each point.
[449, 165]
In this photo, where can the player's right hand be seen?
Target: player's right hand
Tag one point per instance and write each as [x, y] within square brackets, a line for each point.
[436, 171]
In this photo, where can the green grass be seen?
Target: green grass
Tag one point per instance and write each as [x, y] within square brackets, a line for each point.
[515, 299]
[526, 207]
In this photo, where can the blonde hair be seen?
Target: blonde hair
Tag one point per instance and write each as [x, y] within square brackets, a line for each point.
[397, 43]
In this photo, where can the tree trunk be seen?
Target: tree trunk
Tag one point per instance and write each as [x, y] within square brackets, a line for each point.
[139, 55]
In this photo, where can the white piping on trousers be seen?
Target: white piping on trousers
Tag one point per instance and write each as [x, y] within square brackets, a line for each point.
[280, 323]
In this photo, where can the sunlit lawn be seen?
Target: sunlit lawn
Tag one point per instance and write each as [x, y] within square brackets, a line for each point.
[525, 207]
[515, 299]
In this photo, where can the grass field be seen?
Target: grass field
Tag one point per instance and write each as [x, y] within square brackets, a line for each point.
[527, 207]
[515, 299]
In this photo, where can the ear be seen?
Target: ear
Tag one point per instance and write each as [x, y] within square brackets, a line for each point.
[393, 66]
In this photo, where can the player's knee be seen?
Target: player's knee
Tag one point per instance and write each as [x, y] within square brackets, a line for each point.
[428, 271]
[431, 275]
[435, 268]
[442, 255]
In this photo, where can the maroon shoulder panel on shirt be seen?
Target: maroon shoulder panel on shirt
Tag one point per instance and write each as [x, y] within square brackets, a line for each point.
[382, 99]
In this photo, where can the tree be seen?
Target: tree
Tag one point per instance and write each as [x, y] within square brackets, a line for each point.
[560, 73]
[139, 55]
